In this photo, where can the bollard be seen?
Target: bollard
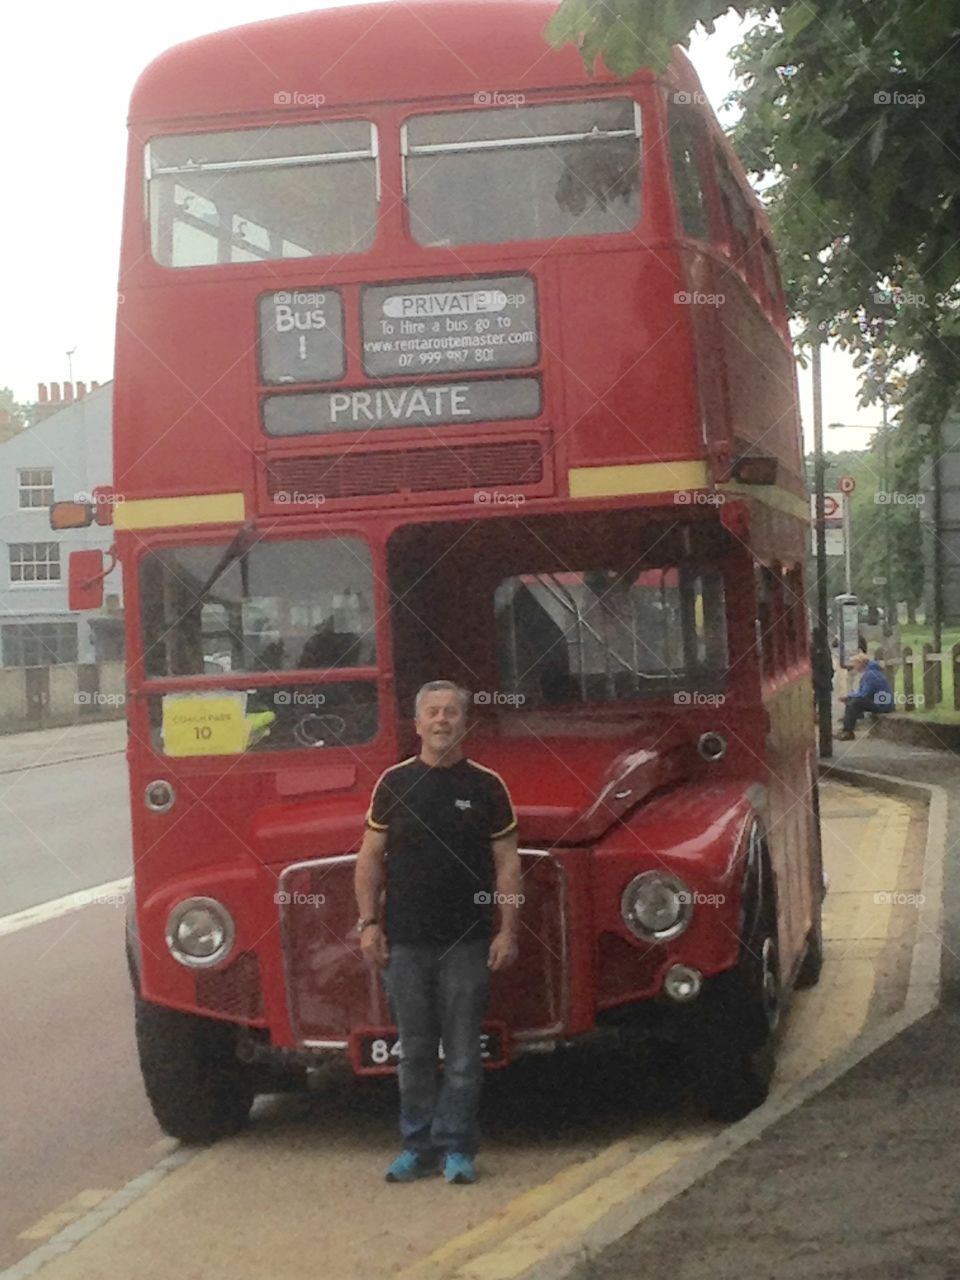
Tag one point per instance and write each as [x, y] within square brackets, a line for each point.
[908, 678]
[931, 696]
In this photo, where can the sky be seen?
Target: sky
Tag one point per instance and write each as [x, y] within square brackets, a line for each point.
[66, 83]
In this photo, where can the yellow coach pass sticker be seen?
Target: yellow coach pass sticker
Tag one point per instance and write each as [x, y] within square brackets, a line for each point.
[205, 724]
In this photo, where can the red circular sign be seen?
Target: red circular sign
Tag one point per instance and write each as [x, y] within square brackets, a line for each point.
[831, 507]
[847, 484]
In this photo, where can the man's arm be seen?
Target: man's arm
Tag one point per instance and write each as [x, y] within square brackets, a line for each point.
[503, 949]
[368, 883]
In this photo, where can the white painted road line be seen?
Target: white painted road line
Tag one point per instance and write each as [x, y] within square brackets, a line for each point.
[44, 911]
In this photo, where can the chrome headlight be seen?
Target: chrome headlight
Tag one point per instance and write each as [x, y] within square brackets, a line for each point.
[200, 932]
[656, 906]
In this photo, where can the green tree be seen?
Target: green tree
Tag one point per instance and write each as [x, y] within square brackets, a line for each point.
[850, 120]
[13, 416]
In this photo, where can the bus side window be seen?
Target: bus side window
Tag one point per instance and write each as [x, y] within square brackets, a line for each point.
[686, 143]
[770, 621]
[794, 614]
[736, 211]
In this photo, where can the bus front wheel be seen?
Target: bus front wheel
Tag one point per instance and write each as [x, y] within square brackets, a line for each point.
[736, 1047]
[198, 1089]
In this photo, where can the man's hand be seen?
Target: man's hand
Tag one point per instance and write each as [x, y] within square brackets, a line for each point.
[503, 950]
[373, 945]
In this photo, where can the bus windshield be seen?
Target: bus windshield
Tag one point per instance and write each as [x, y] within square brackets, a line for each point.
[569, 169]
[278, 606]
[604, 635]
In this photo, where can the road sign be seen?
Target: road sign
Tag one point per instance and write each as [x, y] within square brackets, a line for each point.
[847, 484]
[832, 508]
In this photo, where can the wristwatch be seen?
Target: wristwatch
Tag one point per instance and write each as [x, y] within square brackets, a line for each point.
[365, 924]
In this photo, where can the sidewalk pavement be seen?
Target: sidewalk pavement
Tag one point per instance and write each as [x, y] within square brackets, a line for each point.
[80, 741]
[858, 1183]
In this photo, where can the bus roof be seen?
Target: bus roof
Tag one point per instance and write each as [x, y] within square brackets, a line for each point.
[412, 50]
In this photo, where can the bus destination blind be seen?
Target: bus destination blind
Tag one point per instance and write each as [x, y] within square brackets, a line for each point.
[456, 325]
[406, 405]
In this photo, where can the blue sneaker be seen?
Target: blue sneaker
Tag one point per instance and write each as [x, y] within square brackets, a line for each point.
[459, 1168]
[409, 1166]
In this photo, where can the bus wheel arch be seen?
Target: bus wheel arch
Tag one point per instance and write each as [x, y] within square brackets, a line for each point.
[198, 1088]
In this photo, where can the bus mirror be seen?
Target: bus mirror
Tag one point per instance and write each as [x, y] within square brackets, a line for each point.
[71, 515]
[86, 574]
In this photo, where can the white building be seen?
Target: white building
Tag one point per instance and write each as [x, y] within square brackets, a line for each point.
[62, 456]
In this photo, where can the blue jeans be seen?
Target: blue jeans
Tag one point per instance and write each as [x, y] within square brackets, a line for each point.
[856, 707]
[439, 992]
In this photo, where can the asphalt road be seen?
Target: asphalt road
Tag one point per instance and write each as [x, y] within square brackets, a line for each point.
[303, 1187]
[64, 818]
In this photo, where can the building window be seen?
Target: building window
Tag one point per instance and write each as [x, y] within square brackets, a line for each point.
[35, 488]
[39, 644]
[34, 562]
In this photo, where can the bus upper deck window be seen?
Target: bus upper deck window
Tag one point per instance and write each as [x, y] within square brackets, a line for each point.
[524, 173]
[253, 195]
[685, 133]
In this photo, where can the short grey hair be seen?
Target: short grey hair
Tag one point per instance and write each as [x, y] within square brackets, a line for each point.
[437, 686]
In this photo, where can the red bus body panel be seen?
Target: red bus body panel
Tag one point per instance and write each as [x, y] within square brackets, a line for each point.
[630, 379]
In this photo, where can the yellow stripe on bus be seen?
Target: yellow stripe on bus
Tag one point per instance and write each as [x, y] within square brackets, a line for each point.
[641, 477]
[164, 513]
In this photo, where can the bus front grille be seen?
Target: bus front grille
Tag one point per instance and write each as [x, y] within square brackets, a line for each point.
[330, 992]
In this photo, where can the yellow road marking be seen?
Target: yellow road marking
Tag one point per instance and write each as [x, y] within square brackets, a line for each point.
[566, 1223]
[517, 1212]
[553, 1217]
[68, 1212]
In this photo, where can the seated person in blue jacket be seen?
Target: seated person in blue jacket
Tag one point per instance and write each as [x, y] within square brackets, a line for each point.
[873, 693]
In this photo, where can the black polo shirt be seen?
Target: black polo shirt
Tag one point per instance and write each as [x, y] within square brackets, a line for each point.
[440, 820]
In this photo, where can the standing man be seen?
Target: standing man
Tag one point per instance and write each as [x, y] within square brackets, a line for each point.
[442, 836]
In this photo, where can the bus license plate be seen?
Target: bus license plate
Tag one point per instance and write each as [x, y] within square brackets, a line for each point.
[377, 1052]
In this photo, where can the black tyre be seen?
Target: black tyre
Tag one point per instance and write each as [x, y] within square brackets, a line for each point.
[197, 1087]
[736, 1049]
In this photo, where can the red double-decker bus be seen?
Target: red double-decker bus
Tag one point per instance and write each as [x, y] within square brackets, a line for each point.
[439, 357]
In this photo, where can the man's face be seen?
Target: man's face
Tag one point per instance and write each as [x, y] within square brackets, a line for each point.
[441, 722]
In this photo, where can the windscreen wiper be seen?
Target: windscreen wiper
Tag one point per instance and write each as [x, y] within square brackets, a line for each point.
[242, 541]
